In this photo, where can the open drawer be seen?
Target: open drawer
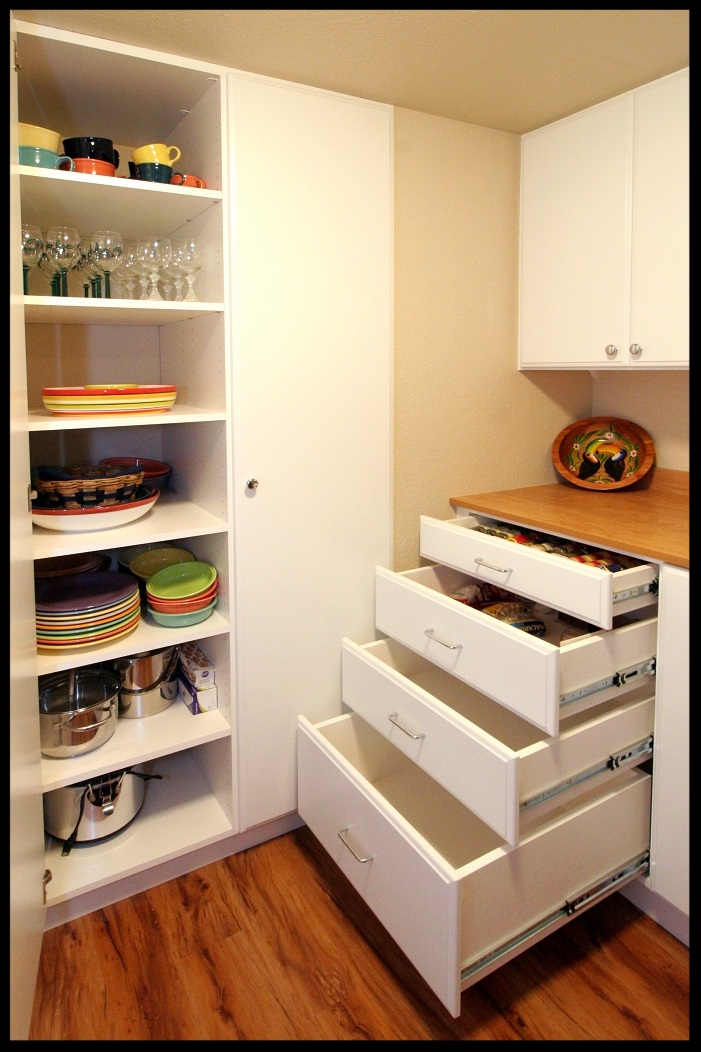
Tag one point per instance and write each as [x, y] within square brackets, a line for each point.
[533, 677]
[451, 893]
[591, 593]
[494, 762]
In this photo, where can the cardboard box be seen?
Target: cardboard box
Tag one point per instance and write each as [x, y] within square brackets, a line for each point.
[196, 665]
[202, 700]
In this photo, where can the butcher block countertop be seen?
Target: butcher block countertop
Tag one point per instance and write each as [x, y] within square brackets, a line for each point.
[650, 519]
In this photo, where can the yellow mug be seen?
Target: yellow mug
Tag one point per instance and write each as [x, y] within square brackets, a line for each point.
[156, 152]
[41, 138]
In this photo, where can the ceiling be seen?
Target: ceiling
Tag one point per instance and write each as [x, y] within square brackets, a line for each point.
[508, 70]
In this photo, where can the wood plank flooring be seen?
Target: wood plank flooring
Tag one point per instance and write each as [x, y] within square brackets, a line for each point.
[273, 943]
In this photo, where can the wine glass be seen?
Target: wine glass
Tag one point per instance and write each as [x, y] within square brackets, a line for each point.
[106, 252]
[61, 248]
[155, 253]
[90, 275]
[129, 267]
[190, 257]
[32, 250]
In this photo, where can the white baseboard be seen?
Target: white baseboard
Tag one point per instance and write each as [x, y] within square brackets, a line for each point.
[667, 916]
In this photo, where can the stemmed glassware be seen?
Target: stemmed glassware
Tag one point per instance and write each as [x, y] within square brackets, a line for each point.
[155, 254]
[91, 276]
[32, 250]
[129, 267]
[61, 248]
[189, 256]
[106, 250]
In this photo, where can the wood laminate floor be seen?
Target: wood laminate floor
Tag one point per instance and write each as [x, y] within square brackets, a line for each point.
[273, 943]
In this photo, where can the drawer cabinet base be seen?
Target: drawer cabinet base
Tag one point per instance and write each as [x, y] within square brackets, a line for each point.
[456, 897]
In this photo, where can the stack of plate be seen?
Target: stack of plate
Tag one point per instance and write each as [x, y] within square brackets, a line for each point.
[117, 399]
[85, 609]
[182, 594]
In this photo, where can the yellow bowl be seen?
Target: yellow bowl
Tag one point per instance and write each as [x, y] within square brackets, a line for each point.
[44, 138]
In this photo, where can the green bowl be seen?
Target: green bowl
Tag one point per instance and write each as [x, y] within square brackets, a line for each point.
[182, 620]
[182, 580]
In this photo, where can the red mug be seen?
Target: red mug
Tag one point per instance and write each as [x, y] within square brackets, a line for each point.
[91, 166]
[178, 179]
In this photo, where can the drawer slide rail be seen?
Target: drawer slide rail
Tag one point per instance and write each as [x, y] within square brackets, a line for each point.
[617, 679]
[630, 756]
[587, 897]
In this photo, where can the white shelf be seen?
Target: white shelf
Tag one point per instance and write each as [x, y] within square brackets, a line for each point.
[77, 310]
[148, 636]
[137, 741]
[179, 815]
[170, 518]
[82, 201]
[43, 420]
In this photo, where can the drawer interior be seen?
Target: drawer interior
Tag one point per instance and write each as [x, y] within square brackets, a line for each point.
[500, 723]
[560, 628]
[451, 829]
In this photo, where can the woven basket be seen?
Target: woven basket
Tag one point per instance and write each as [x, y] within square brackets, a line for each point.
[88, 493]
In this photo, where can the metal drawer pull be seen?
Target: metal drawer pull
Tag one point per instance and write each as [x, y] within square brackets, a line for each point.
[393, 719]
[451, 646]
[491, 566]
[352, 850]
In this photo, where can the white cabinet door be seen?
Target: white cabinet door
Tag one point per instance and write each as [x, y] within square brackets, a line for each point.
[669, 872]
[660, 271]
[574, 237]
[26, 818]
[604, 234]
[312, 319]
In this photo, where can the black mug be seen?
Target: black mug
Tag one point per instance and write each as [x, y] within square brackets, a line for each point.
[97, 149]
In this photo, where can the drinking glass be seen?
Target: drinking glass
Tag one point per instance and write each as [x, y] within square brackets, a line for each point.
[189, 256]
[106, 251]
[155, 253]
[129, 267]
[32, 250]
[89, 274]
[51, 272]
[61, 248]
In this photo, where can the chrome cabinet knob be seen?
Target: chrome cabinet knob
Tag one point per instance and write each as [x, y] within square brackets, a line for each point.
[611, 350]
[635, 350]
[251, 483]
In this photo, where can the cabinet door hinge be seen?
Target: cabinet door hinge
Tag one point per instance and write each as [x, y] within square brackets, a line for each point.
[48, 876]
[31, 495]
[18, 64]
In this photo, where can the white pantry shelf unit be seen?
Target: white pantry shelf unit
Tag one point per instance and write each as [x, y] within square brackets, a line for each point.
[77, 86]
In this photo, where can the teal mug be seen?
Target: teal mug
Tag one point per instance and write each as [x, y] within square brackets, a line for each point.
[154, 173]
[39, 158]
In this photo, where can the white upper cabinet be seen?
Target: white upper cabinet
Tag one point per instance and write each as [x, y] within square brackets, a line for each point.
[604, 249]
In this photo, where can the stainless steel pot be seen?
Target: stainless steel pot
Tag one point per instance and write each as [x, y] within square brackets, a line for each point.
[78, 710]
[148, 682]
[95, 808]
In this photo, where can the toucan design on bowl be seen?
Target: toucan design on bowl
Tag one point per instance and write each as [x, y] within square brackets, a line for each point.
[603, 453]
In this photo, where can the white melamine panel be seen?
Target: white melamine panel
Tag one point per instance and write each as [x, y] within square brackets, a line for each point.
[416, 840]
[671, 785]
[660, 289]
[312, 320]
[485, 756]
[586, 592]
[575, 238]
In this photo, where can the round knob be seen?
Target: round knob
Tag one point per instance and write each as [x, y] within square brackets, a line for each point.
[251, 483]
[635, 350]
[611, 350]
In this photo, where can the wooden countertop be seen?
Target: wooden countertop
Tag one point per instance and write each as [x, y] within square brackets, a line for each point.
[650, 519]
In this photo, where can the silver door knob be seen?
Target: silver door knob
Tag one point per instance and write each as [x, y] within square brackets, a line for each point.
[611, 350]
[251, 483]
[635, 350]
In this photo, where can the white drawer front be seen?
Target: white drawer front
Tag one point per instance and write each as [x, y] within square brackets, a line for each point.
[491, 760]
[447, 889]
[587, 592]
[526, 674]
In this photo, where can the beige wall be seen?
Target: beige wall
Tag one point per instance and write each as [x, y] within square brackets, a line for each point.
[465, 419]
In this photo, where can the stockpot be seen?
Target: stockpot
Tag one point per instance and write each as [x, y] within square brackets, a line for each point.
[78, 710]
[148, 682]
